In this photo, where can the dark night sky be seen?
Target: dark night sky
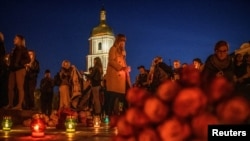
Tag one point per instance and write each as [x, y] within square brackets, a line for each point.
[173, 29]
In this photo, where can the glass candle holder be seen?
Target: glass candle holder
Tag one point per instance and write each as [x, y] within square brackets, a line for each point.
[7, 123]
[97, 121]
[70, 123]
[37, 126]
[106, 119]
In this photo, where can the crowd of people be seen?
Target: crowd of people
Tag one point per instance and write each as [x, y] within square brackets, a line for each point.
[106, 93]
[180, 103]
[235, 68]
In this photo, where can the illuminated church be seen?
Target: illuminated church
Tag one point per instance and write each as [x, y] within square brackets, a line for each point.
[100, 41]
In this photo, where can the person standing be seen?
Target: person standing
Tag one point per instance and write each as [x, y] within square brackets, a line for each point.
[32, 71]
[95, 78]
[65, 84]
[19, 57]
[177, 69]
[3, 70]
[117, 75]
[46, 87]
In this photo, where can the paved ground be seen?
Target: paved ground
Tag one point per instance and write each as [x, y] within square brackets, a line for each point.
[21, 133]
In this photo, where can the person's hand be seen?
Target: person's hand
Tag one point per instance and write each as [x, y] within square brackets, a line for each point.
[128, 69]
[219, 74]
[27, 65]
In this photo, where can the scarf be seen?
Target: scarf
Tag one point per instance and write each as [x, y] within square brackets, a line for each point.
[220, 64]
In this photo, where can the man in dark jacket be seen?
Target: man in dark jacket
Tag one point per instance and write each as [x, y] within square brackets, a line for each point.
[46, 87]
[142, 78]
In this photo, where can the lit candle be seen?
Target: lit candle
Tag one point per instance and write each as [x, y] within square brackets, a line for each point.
[97, 121]
[70, 124]
[37, 126]
[7, 123]
[106, 119]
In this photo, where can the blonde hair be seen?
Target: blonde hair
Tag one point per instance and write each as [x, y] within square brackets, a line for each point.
[66, 64]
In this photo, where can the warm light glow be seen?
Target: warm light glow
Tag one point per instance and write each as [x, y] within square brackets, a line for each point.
[96, 130]
[97, 121]
[6, 123]
[37, 126]
[6, 134]
[70, 124]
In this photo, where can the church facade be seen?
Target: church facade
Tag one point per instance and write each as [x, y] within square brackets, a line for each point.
[100, 41]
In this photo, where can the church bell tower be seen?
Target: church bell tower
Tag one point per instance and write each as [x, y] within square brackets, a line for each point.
[100, 41]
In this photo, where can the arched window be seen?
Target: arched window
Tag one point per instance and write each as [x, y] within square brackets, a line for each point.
[100, 46]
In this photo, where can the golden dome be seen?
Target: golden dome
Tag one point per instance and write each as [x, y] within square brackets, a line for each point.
[102, 28]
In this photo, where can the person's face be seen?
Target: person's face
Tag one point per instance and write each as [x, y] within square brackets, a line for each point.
[142, 70]
[239, 58]
[47, 75]
[122, 44]
[184, 65]
[17, 41]
[222, 52]
[177, 64]
[31, 54]
[196, 64]
[66, 65]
